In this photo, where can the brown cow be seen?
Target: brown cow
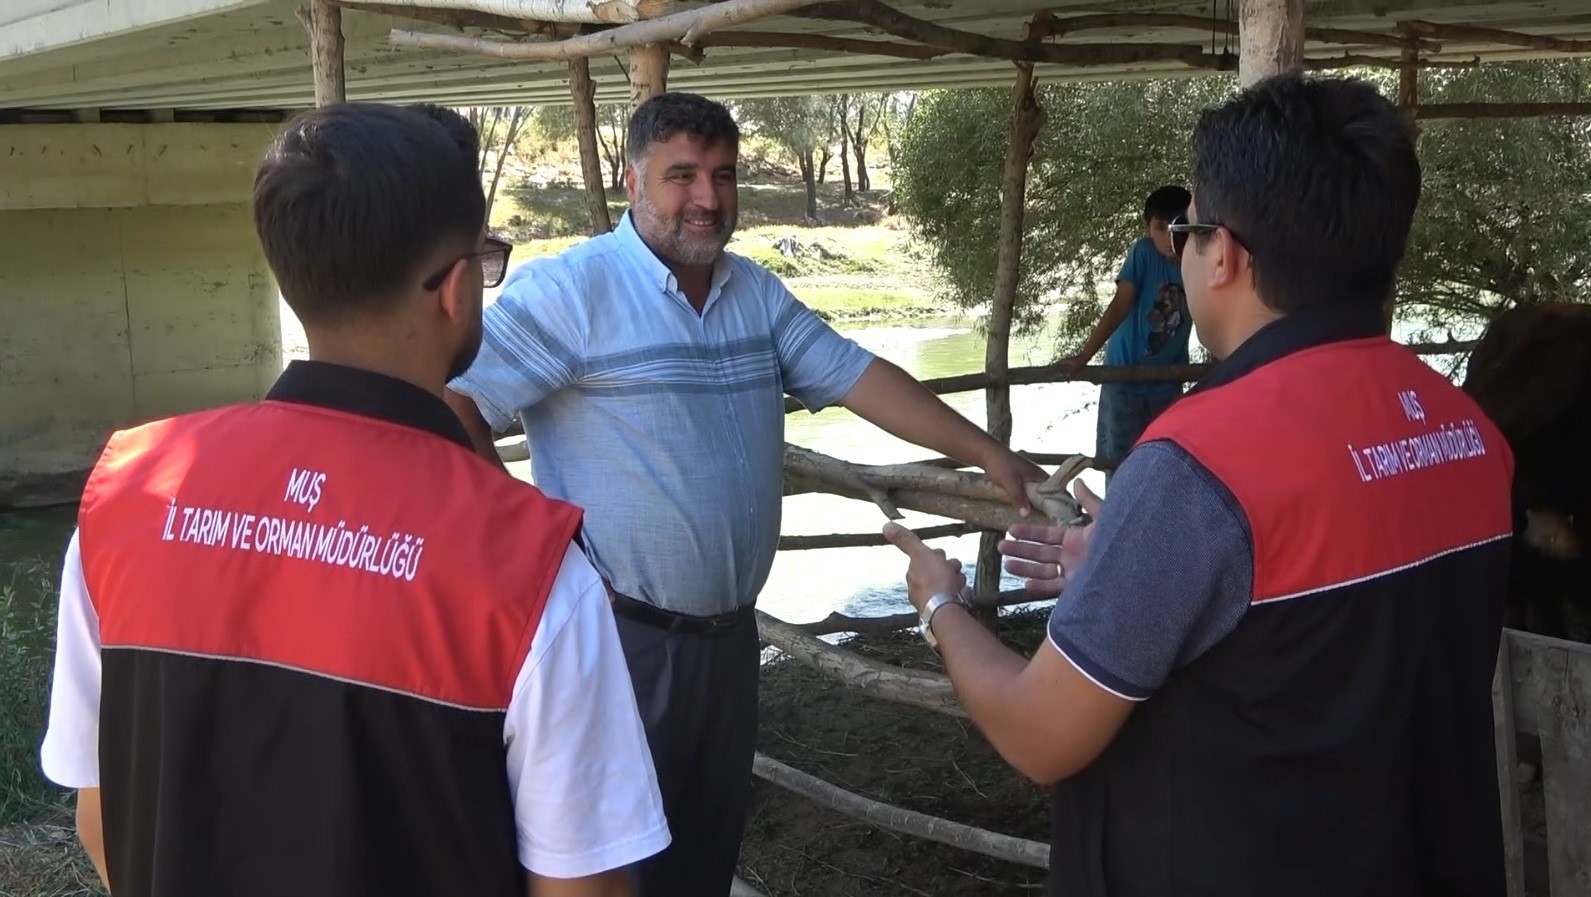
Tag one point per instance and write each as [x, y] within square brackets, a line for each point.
[1531, 373]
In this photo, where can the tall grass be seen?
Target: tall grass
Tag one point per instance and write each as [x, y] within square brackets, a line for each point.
[28, 587]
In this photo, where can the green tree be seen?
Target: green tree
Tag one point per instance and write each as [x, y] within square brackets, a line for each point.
[1104, 147]
[557, 125]
[1500, 218]
[499, 128]
[800, 124]
[1505, 203]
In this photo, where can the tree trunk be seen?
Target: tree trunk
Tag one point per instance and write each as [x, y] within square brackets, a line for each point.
[859, 147]
[845, 157]
[326, 38]
[584, 91]
[1270, 38]
[824, 157]
[809, 177]
[516, 123]
[1027, 119]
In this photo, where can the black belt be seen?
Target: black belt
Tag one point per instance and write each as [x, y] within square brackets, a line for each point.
[668, 621]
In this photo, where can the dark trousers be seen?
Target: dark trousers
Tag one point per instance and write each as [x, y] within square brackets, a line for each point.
[1125, 411]
[698, 700]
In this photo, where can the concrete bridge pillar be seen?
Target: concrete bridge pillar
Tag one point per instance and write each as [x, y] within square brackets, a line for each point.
[131, 287]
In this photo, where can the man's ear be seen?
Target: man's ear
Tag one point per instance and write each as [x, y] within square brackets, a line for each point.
[1231, 262]
[454, 293]
[631, 181]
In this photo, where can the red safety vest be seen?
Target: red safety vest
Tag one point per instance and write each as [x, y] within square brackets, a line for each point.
[311, 615]
[1339, 740]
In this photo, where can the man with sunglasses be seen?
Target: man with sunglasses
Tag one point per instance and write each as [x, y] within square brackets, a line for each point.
[1146, 324]
[1269, 667]
[316, 645]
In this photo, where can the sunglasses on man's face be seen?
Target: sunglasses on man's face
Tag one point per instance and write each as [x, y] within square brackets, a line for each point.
[1182, 227]
[494, 264]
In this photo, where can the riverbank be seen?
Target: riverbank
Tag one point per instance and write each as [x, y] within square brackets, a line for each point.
[855, 264]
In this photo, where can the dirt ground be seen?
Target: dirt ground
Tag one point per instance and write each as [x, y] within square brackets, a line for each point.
[900, 755]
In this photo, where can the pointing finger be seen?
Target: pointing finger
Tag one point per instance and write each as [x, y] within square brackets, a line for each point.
[1087, 499]
[906, 540]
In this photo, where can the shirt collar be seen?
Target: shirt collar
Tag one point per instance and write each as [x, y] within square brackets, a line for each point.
[369, 394]
[656, 269]
[1295, 332]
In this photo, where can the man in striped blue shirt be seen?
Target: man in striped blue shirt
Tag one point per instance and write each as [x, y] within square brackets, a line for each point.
[649, 367]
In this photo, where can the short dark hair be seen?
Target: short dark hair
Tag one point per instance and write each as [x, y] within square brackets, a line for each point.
[667, 114]
[457, 126]
[353, 199]
[1167, 203]
[1318, 179]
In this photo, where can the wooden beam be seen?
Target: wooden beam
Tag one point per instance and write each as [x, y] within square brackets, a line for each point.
[885, 18]
[1478, 34]
[930, 691]
[326, 43]
[574, 12]
[1270, 38]
[868, 540]
[465, 18]
[821, 42]
[694, 22]
[896, 819]
[1444, 111]
[958, 495]
[836, 622]
[583, 91]
[1356, 60]
[1063, 26]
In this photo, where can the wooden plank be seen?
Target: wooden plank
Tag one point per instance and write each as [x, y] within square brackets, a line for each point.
[1507, 770]
[1528, 655]
[1564, 696]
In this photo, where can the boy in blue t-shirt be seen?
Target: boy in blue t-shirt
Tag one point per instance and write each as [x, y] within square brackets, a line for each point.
[1146, 324]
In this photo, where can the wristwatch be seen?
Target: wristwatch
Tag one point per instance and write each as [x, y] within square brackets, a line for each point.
[926, 617]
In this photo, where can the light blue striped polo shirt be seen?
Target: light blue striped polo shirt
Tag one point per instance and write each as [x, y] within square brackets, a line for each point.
[665, 426]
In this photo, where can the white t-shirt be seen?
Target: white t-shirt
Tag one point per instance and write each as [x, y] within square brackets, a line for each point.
[585, 801]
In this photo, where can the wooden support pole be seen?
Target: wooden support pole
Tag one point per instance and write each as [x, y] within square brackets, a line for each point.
[326, 42]
[1271, 39]
[649, 62]
[1027, 121]
[897, 819]
[584, 93]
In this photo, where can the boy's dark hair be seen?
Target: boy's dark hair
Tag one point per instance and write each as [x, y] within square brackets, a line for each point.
[667, 114]
[1318, 179]
[352, 199]
[1167, 203]
[457, 126]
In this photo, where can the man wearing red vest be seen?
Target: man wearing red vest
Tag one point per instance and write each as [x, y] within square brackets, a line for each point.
[315, 646]
[1269, 666]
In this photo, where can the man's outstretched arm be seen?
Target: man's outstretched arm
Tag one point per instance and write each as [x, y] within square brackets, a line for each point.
[615, 883]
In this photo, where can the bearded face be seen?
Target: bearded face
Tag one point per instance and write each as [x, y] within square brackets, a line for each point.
[683, 199]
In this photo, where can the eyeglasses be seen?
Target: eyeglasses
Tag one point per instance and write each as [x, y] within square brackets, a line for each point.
[494, 264]
[1181, 228]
